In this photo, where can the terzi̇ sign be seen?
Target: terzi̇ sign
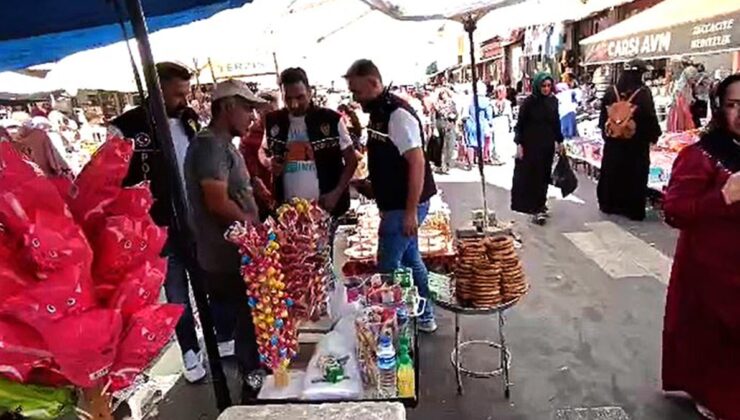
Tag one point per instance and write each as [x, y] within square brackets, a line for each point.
[720, 33]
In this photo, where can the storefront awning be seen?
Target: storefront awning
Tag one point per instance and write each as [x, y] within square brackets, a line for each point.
[671, 28]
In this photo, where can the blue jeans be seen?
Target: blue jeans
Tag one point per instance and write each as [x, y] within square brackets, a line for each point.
[177, 291]
[396, 250]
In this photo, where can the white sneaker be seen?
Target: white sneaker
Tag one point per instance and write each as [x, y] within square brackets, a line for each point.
[226, 348]
[193, 364]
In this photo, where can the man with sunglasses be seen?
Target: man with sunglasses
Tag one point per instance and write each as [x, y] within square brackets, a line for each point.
[219, 194]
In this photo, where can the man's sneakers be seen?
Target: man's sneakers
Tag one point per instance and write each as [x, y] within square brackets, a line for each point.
[428, 326]
[226, 348]
[193, 364]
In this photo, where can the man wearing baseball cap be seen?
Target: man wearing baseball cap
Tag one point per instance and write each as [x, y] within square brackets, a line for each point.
[219, 194]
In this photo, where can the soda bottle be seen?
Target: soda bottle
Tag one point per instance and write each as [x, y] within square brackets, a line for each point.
[406, 377]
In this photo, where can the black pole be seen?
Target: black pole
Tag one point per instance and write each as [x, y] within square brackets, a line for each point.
[470, 28]
[158, 115]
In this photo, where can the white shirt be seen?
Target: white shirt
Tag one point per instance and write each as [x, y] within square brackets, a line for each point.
[300, 177]
[404, 131]
[180, 141]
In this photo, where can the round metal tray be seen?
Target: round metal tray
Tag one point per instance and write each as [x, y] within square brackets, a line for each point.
[456, 358]
[453, 305]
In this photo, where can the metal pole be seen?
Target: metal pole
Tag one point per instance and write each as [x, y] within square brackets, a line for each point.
[155, 103]
[470, 28]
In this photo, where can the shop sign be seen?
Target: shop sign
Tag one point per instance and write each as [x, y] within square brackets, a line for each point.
[491, 49]
[719, 33]
[236, 69]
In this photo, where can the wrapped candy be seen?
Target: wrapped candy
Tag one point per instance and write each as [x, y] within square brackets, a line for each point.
[79, 275]
[307, 265]
[271, 306]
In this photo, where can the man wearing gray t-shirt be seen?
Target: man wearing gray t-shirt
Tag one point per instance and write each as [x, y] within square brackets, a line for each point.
[220, 194]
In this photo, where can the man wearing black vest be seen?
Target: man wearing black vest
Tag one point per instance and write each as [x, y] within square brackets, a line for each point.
[147, 164]
[401, 179]
[312, 154]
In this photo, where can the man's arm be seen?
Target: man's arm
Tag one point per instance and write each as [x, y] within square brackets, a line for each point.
[330, 200]
[416, 161]
[217, 201]
[405, 133]
[212, 170]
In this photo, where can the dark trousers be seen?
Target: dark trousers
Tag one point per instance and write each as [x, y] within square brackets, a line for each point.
[228, 298]
[177, 291]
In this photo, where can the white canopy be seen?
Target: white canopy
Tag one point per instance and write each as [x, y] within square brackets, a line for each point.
[12, 82]
[323, 36]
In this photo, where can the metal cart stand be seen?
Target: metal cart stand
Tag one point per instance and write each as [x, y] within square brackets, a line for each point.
[450, 304]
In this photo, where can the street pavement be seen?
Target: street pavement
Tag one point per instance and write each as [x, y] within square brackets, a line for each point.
[585, 341]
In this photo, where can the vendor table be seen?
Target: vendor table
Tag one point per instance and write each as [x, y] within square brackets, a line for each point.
[449, 303]
[338, 411]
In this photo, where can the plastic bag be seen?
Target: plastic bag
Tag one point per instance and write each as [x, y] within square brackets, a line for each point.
[350, 388]
[100, 181]
[21, 350]
[148, 331]
[563, 176]
[36, 402]
[84, 346]
[139, 290]
[124, 244]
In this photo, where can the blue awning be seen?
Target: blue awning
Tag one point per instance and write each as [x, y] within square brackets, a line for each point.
[42, 31]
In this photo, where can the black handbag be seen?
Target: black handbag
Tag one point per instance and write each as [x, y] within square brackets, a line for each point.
[563, 176]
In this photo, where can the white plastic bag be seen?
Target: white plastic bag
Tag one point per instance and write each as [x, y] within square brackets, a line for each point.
[338, 345]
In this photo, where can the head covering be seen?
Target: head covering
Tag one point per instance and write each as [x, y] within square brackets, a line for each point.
[718, 140]
[538, 80]
[683, 85]
[233, 87]
[636, 65]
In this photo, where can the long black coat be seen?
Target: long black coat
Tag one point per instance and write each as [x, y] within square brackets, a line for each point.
[537, 131]
[625, 164]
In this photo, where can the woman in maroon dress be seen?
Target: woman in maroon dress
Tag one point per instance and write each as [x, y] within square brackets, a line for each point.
[701, 333]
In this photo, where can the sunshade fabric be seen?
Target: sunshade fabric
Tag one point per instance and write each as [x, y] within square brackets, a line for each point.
[41, 31]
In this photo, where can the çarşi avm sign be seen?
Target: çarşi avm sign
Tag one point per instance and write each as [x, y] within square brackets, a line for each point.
[719, 33]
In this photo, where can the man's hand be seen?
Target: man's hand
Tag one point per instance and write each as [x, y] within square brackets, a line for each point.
[364, 187]
[410, 223]
[329, 201]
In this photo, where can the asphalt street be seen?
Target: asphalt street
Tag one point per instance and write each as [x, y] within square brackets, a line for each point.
[585, 341]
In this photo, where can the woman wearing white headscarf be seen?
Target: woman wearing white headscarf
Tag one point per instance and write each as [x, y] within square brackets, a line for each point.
[679, 115]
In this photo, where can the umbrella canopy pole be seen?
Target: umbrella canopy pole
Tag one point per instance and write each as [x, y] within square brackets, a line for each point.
[470, 29]
[179, 207]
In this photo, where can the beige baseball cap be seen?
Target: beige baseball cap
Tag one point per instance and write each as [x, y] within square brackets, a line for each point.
[234, 87]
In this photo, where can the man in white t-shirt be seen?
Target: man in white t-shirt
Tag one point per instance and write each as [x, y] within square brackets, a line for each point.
[311, 149]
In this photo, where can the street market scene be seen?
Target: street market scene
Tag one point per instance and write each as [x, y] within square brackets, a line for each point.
[370, 209]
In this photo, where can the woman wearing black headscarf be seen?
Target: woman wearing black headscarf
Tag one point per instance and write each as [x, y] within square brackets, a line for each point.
[701, 330]
[537, 135]
[625, 164]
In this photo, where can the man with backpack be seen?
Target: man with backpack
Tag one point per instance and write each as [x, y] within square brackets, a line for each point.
[629, 126]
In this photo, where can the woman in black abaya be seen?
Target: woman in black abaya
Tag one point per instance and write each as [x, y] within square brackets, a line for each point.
[625, 164]
[537, 135]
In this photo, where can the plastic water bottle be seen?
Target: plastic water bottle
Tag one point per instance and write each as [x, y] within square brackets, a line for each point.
[402, 318]
[386, 368]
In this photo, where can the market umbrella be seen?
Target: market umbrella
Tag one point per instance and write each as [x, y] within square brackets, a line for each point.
[31, 28]
[466, 12]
